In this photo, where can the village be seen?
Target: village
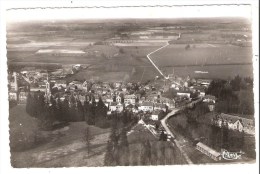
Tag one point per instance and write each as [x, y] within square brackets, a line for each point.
[149, 102]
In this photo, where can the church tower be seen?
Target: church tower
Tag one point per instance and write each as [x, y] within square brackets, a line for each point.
[47, 89]
[15, 81]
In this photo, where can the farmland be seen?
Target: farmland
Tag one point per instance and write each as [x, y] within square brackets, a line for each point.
[202, 54]
[116, 50]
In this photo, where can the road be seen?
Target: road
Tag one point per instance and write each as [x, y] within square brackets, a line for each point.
[176, 142]
[148, 57]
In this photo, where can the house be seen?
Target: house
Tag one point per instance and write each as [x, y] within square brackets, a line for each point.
[81, 98]
[160, 107]
[22, 97]
[147, 88]
[76, 67]
[209, 99]
[99, 91]
[183, 94]
[36, 89]
[211, 107]
[85, 86]
[96, 96]
[118, 99]
[42, 84]
[117, 84]
[173, 85]
[208, 151]
[202, 93]
[95, 86]
[142, 99]
[234, 122]
[118, 107]
[204, 82]
[76, 85]
[107, 104]
[108, 99]
[61, 83]
[105, 91]
[106, 85]
[146, 106]
[130, 99]
[156, 115]
[198, 89]
[12, 95]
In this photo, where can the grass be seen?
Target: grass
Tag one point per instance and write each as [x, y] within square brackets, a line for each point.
[202, 54]
[59, 148]
[66, 149]
[23, 128]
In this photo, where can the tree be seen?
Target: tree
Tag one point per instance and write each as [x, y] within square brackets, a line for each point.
[146, 153]
[59, 115]
[187, 47]
[65, 110]
[87, 137]
[29, 104]
[124, 147]
[163, 136]
[235, 83]
[79, 112]
[109, 157]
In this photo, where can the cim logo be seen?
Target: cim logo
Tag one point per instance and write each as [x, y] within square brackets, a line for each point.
[231, 155]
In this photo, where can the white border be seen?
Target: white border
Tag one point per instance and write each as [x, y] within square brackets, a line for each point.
[153, 12]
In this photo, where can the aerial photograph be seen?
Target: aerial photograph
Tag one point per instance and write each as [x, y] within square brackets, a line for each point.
[130, 92]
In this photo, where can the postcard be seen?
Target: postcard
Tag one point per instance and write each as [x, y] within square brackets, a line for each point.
[123, 86]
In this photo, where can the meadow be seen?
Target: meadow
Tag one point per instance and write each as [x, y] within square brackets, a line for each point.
[127, 61]
[201, 54]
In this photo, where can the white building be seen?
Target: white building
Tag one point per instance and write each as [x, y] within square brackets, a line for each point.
[146, 106]
[76, 84]
[118, 99]
[209, 99]
[130, 99]
[155, 115]
[183, 94]
[61, 83]
[208, 151]
[22, 97]
[159, 107]
[13, 95]
[118, 107]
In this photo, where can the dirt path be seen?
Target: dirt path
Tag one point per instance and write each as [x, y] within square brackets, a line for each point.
[148, 57]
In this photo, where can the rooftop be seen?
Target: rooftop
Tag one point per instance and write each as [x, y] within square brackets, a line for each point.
[208, 149]
[147, 104]
[234, 118]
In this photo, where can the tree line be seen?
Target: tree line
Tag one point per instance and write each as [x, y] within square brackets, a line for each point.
[118, 150]
[234, 96]
[71, 110]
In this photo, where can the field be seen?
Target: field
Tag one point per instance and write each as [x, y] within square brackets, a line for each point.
[202, 54]
[213, 72]
[209, 45]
